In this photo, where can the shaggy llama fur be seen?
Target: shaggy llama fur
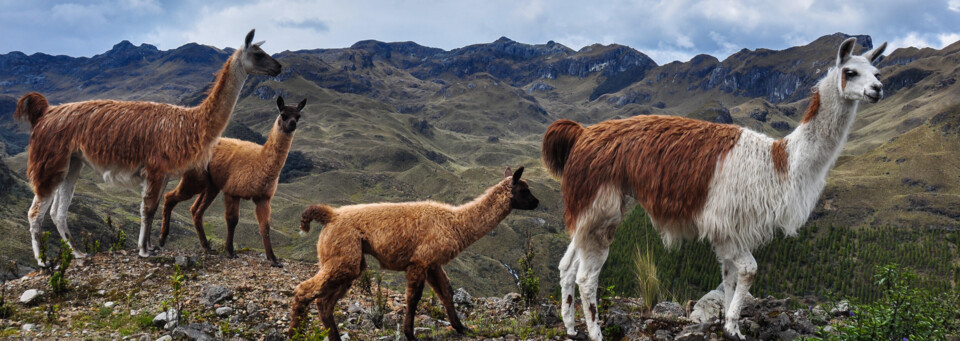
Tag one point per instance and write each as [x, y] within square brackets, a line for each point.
[416, 237]
[241, 170]
[731, 186]
[128, 143]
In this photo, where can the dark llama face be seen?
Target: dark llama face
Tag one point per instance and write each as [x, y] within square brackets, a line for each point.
[289, 115]
[522, 198]
[256, 61]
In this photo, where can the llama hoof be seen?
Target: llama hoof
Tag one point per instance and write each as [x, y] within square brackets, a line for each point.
[733, 335]
[231, 255]
[143, 253]
[276, 264]
[578, 336]
[464, 330]
[41, 263]
[79, 255]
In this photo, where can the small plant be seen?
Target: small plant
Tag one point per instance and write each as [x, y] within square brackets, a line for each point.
[379, 303]
[365, 282]
[309, 332]
[90, 244]
[5, 310]
[119, 240]
[606, 299]
[527, 279]
[58, 280]
[649, 283]
[176, 281]
[44, 257]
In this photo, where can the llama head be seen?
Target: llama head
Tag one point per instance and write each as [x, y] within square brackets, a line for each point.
[289, 115]
[254, 60]
[858, 79]
[520, 196]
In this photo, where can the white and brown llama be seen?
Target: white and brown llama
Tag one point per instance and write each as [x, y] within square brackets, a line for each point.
[241, 170]
[718, 182]
[416, 237]
[128, 143]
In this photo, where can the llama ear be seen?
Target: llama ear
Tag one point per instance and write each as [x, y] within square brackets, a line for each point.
[302, 104]
[507, 173]
[517, 174]
[249, 39]
[874, 55]
[845, 51]
[280, 103]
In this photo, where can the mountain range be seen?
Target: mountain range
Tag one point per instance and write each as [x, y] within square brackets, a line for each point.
[400, 121]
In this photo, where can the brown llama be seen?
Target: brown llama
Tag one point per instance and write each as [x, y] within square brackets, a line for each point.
[416, 237]
[128, 143]
[241, 170]
[717, 182]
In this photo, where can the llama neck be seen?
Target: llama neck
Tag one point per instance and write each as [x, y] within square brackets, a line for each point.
[274, 151]
[216, 109]
[483, 214]
[816, 144]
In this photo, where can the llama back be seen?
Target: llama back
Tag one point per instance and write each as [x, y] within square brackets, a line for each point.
[125, 135]
[667, 162]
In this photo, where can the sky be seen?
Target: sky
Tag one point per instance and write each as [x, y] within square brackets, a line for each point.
[664, 30]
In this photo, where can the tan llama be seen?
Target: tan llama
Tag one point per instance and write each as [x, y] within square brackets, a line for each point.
[128, 143]
[241, 170]
[416, 237]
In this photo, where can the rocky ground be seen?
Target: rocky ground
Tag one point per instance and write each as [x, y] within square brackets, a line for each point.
[118, 295]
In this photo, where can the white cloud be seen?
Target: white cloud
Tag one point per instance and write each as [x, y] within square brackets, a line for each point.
[918, 40]
[947, 38]
[954, 5]
[911, 39]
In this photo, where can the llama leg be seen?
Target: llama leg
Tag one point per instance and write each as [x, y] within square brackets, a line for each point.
[232, 213]
[328, 304]
[200, 206]
[729, 280]
[305, 292]
[153, 188]
[746, 273]
[170, 200]
[437, 278]
[61, 203]
[38, 209]
[415, 279]
[588, 275]
[263, 217]
[568, 276]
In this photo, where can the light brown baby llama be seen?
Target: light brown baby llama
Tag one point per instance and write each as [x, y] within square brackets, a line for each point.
[241, 170]
[416, 237]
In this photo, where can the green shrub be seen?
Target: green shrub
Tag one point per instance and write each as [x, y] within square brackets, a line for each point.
[903, 311]
[58, 280]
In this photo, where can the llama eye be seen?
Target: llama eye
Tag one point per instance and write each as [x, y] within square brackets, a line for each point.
[850, 73]
[877, 75]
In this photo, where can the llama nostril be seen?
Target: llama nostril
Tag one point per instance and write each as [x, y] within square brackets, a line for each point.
[877, 88]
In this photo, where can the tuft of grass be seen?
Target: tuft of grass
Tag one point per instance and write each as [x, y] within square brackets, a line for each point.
[647, 280]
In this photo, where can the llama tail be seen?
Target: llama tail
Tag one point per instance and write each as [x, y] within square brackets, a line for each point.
[319, 212]
[558, 141]
[30, 107]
